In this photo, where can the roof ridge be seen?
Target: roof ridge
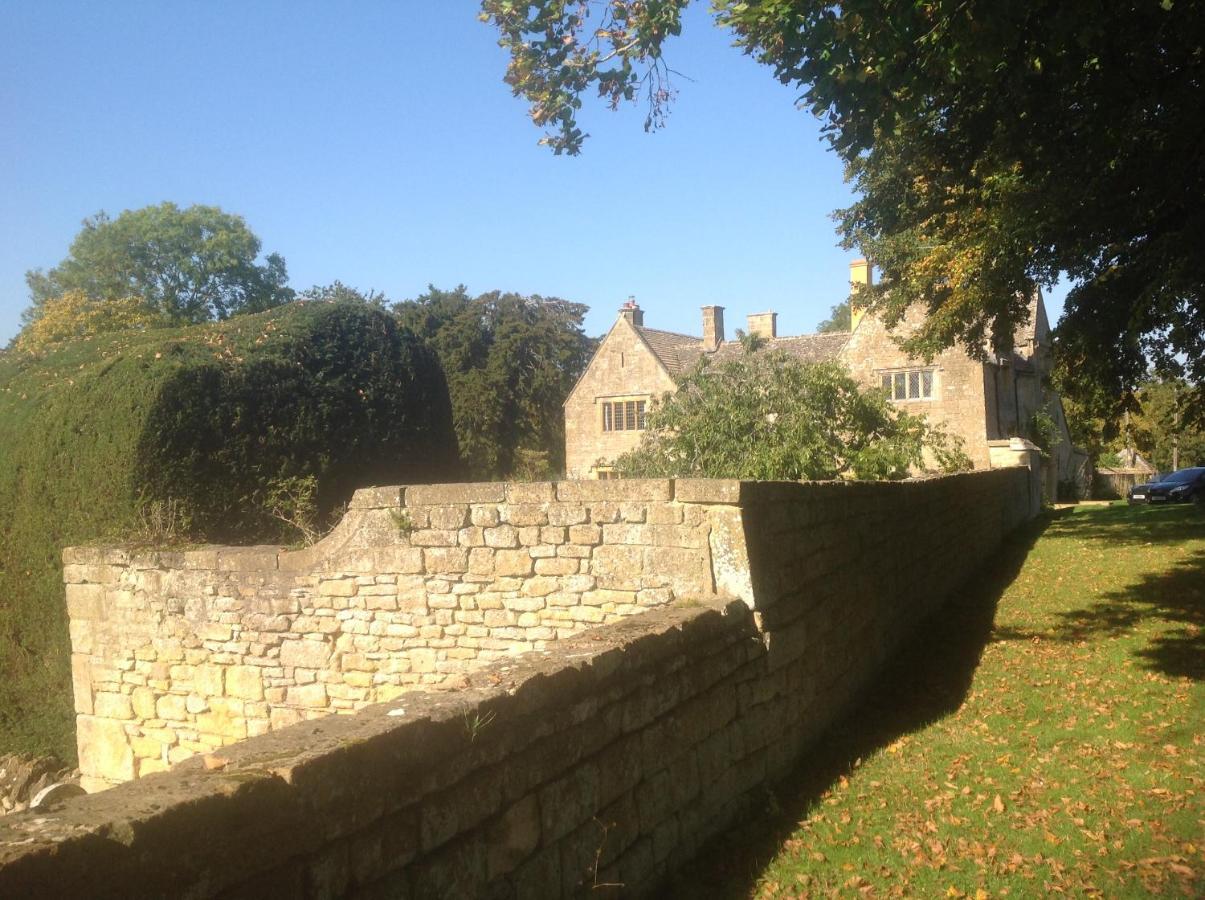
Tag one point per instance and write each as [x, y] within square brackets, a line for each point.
[689, 337]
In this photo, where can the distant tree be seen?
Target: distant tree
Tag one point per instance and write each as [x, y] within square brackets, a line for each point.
[188, 265]
[510, 362]
[73, 316]
[770, 417]
[838, 319]
[337, 291]
[1163, 430]
[992, 145]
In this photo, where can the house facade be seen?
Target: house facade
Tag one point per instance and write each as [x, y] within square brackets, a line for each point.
[988, 403]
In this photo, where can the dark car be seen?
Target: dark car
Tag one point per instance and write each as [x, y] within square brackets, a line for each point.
[1181, 486]
[1141, 493]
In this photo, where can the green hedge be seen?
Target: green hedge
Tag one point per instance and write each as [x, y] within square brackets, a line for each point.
[209, 417]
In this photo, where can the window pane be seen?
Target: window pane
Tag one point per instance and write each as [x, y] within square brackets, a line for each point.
[926, 384]
[607, 421]
[640, 421]
[630, 411]
[913, 385]
[900, 390]
[887, 384]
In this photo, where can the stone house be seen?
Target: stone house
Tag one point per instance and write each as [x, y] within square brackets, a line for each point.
[989, 403]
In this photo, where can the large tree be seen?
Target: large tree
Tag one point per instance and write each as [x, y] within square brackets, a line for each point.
[188, 265]
[994, 144]
[510, 362]
[766, 416]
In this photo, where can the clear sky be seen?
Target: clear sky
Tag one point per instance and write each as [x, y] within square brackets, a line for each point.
[375, 143]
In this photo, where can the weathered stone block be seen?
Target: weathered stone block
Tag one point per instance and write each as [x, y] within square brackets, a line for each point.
[81, 683]
[343, 587]
[171, 707]
[104, 749]
[245, 682]
[448, 517]
[305, 653]
[516, 563]
[502, 536]
[434, 537]
[402, 560]
[616, 491]
[455, 494]
[446, 559]
[558, 565]
[85, 601]
[377, 498]
[513, 837]
[618, 568]
[143, 701]
[309, 696]
[109, 705]
[525, 514]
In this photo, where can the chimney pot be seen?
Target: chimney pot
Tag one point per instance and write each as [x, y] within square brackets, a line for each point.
[713, 327]
[633, 313]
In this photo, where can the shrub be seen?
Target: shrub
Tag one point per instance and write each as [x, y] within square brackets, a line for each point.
[207, 428]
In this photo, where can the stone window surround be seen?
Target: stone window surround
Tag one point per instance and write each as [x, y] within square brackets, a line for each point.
[919, 371]
[606, 404]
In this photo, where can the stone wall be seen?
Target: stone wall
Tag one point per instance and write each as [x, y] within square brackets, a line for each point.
[597, 764]
[176, 653]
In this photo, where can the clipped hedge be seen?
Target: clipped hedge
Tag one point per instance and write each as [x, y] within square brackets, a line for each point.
[207, 417]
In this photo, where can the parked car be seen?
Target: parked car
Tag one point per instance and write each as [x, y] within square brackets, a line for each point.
[1141, 493]
[1181, 486]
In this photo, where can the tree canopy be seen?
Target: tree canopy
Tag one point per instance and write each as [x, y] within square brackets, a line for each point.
[187, 265]
[838, 319]
[510, 361]
[994, 144]
[785, 421]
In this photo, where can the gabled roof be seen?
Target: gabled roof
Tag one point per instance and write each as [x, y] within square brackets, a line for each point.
[672, 349]
[680, 352]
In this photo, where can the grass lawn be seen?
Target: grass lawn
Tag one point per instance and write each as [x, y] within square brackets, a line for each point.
[1043, 735]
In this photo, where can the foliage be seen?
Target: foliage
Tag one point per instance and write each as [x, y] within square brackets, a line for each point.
[1044, 430]
[510, 362]
[74, 315]
[1163, 428]
[839, 319]
[993, 144]
[1039, 736]
[767, 416]
[183, 433]
[338, 292]
[187, 265]
[293, 500]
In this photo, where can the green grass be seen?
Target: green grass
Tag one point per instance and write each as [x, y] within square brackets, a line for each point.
[1043, 735]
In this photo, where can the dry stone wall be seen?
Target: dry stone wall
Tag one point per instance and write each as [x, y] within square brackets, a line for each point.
[176, 653]
[594, 766]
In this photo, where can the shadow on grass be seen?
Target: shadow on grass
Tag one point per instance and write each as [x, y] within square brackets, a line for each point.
[928, 679]
[1176, 595]
[1134, 525]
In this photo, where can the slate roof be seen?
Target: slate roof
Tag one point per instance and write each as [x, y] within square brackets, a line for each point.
[679, 352]
[673, 349]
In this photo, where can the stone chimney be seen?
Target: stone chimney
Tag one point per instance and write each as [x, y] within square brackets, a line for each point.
[633, 313]
[713, 327]
[764, 325]
[860, 272]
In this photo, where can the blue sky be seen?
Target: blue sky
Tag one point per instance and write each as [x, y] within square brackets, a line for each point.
[375, 143]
